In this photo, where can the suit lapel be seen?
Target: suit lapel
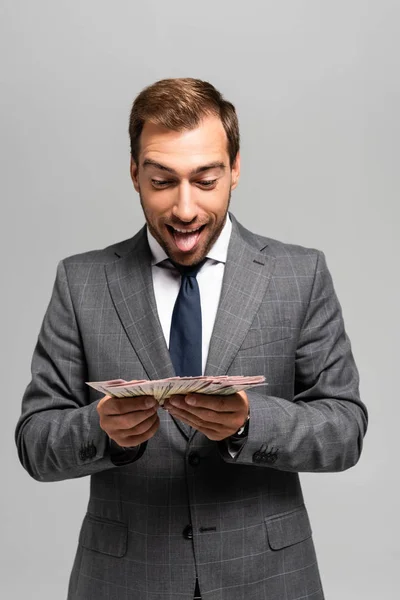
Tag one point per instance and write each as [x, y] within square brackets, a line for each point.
[247, 274]
[131, 287]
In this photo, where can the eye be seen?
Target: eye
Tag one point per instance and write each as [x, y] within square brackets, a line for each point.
[207, 183]
[160, 183]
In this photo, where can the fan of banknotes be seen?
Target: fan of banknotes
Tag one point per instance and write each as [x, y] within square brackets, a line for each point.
[164, 388]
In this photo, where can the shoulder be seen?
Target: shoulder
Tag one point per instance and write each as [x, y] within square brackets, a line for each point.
[284, 253]
[295, 268]
[92, 262]
[103, 255]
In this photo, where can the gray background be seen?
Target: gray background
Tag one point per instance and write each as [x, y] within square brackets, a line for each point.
[316, 87]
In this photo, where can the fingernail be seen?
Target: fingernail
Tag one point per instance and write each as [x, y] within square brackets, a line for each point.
[150, 402]
[191, 400]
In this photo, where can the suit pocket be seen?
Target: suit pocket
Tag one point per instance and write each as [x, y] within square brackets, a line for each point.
[288, 528]
[107, 537]
[266, 335]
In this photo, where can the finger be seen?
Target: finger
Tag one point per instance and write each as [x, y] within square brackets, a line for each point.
[230, 420]
[217, 403]
[204, 414]
[118, 423]
[140, 428]
[213, 434]
[135, 440]
[175, 398]
[119, 406]
[193, 420]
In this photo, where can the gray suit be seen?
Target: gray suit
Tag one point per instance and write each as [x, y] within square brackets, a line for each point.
[184, 505]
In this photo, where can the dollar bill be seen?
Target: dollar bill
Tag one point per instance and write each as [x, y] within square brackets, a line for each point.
[161, 389]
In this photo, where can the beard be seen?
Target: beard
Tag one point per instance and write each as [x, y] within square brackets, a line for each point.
[168, 245]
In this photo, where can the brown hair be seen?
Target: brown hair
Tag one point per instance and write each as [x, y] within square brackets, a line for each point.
[180, 104]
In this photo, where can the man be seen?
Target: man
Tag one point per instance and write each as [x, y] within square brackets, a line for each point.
[202, 497]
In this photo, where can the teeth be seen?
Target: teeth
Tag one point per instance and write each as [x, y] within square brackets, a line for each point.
[186, 230]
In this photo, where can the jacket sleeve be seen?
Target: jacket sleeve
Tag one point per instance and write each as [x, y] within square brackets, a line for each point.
[322, 429]
[58, 434]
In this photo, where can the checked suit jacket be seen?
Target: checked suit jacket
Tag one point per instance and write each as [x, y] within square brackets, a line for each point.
[182, 506]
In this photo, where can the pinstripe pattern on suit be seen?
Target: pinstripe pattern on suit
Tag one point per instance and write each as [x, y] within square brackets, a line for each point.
[278, 316]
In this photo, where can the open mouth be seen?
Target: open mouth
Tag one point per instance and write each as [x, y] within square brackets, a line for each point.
[185, 239]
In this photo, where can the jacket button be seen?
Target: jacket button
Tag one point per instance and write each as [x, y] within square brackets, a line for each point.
[194, 459]
[188, 532]
[257, 457]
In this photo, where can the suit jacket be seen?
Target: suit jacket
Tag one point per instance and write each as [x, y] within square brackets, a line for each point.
[183, 506]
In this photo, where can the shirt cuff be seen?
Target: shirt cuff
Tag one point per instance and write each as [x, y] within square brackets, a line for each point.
[121, 455]
[234, 446]
[235, 442]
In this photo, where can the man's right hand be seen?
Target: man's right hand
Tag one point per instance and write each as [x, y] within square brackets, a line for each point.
[129, 421]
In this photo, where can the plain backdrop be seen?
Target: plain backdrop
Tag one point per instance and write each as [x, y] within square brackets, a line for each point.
[316, 88]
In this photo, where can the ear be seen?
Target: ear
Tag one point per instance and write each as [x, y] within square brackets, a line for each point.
[134, 168]
[235, 171]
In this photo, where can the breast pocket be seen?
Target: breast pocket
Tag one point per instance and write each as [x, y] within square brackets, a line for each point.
[266, 334]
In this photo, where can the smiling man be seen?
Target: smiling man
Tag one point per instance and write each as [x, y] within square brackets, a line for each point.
[185, 205]
[201, 499]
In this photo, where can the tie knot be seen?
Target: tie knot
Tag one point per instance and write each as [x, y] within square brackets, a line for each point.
[190, 270]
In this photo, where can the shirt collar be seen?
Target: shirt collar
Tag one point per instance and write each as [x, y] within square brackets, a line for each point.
[217, 252]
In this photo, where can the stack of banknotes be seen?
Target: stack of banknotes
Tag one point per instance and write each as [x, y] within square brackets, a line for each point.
[165, 388]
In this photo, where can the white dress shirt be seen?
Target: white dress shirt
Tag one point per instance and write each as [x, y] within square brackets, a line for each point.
[167, 281]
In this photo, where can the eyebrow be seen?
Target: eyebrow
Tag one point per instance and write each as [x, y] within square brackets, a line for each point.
[213, 165]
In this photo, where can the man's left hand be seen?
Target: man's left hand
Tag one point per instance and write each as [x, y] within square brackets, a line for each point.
[218, 417]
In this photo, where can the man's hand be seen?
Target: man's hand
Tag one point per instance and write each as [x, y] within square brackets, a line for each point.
[218, 417]
[129, 421]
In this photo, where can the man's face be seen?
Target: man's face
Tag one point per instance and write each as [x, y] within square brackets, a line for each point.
[184, 182]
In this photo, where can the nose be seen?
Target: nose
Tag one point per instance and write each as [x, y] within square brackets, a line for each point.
[185, 208]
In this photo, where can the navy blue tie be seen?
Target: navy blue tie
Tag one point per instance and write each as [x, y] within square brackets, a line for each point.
[185, 336]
